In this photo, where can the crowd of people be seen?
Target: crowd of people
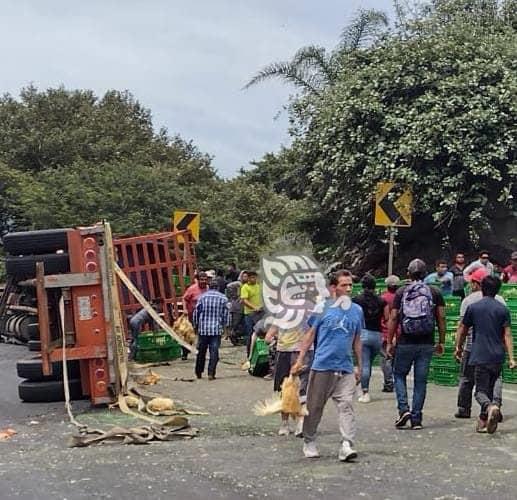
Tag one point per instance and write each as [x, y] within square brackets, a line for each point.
[334, 348]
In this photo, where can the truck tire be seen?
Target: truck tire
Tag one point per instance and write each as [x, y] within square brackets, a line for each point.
[48, 391]
[31, 242]
[33, 331]
[25, 265]
[34, 345]
[31, 369]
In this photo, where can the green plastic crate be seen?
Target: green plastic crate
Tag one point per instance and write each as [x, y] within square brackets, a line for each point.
[446, 358]
[509, 376]
[450, 380]
[153, 340]
[508, 291]
[176, 283]
[452, 310]
[176, 280]
[157, 346]
[513, 317]
[444, 375]
[158, 354]
[450, 337]
[259, 360]
[451, 324]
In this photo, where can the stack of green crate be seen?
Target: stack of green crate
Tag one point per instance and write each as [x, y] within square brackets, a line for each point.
[445, 369]
[380, 285]
[156, 346]
[509, 293]
[357, 288]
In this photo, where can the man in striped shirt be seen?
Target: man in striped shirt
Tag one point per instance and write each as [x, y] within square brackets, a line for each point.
[209, 319]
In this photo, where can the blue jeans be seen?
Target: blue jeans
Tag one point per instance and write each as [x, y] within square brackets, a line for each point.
[419, 356]
[387, 368]
[207, 342]
[249, 323]
[371, 344]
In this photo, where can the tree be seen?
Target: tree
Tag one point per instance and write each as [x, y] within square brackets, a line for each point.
[432, 106]
[245, 219]
[70, 158]
[312, 69]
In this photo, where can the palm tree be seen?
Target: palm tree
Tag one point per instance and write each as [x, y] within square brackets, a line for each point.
[312, 68]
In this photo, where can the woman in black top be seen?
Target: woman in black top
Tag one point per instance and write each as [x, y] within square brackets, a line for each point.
[374, 308]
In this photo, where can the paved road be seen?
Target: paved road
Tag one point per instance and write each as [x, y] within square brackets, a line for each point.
[238, 455]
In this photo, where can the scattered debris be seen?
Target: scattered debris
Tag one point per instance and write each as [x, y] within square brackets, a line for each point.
[148, 378]
[6, 434]
[137, 435]
[160, 406]
[149, 365]
[178, 379]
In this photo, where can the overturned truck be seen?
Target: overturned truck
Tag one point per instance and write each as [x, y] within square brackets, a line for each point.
[62, 299]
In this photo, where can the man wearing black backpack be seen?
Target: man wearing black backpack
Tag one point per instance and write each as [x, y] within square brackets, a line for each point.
[417, 308]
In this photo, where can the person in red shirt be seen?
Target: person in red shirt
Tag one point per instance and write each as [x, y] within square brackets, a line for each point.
[510, 272]
[190, 297]
[392, 283]
[193, 292]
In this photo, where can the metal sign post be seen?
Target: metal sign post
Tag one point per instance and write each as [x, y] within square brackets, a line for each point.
[390, 252]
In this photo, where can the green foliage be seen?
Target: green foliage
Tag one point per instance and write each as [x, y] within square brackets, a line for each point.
[245, 219]
[432, 105]
[70, 158]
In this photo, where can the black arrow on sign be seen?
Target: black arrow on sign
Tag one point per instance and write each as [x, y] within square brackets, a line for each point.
[390, 209]
[184, 223]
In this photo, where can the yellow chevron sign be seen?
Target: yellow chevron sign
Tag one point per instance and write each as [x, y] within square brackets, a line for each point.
[183, 220]
[393, 205]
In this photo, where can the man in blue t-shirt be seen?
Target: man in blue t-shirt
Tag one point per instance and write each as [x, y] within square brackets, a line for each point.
[441, 278]
[491, 335]
[338, 329]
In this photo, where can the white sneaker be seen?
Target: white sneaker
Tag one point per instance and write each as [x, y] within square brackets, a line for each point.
[310, 450]
[299, 427]
[284, 429]
[346, 452]
[365, 398]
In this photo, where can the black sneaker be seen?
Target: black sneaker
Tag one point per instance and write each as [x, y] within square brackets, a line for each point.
[402, 420]
[416, 425]
[500, 415]
[462, 413]
[387, 388]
